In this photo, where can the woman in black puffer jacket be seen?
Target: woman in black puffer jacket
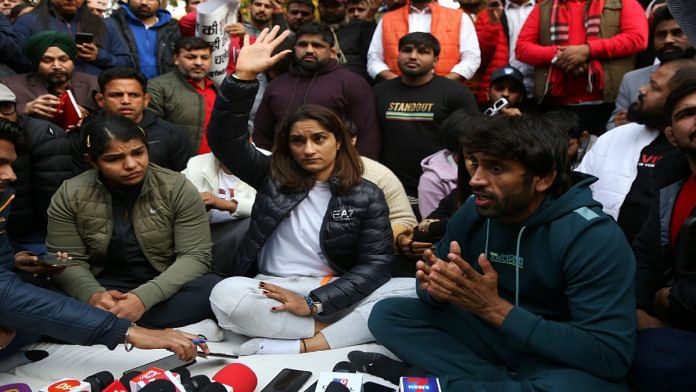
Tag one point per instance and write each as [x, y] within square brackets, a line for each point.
[319, 241]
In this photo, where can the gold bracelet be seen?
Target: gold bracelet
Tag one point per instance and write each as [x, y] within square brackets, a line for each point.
[126, 345]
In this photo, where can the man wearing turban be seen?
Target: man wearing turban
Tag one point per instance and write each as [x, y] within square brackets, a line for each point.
[53, 55]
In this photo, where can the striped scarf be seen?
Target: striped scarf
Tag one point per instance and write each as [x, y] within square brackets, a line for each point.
[559, 20]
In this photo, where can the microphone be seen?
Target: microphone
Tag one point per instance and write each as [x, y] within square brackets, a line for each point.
[238, 376]
[340, 367]
[18, 387]
[151, 375]
[159, 386]
[191, 384]
[336, 386]
[126, 379]
[214, 387]
[99, 381]
[67, 385]
[419, 383]
[116, 386]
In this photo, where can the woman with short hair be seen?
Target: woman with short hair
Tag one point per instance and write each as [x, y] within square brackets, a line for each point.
[139, 231]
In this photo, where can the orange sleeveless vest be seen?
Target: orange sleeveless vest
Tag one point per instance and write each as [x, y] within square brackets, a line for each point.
[445, 26]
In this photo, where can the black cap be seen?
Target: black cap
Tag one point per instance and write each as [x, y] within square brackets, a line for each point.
[510, 73]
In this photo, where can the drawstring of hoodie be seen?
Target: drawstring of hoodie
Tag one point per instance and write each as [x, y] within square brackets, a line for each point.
[292, 97]
[488, 230]
[311, 83]
[517, 267]
[517, 258]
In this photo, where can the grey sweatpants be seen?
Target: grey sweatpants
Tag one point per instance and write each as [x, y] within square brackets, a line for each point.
[241, 307]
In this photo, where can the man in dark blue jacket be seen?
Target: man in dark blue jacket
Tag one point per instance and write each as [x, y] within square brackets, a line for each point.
[13, 60]
[531, 286]
[150, 33]
[26, 309]
[123, 91]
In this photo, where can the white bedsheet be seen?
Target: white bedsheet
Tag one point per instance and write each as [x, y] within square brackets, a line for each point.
[81, 361]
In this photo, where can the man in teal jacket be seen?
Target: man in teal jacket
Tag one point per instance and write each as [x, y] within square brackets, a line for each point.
[531, 287]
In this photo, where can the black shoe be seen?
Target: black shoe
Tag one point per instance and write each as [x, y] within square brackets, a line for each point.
[379, 365]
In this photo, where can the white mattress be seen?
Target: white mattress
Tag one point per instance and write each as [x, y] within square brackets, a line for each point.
[81, 361]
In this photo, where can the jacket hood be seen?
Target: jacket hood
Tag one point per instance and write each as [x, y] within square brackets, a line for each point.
[579, 195]
[163, 16]
[440, 164]
[295, 69]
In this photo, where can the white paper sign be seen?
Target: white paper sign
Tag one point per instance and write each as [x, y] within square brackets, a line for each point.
[211, 18]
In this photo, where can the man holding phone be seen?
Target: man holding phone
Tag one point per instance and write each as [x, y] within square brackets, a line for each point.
[40, 172]
[506, 92]
[53, 55]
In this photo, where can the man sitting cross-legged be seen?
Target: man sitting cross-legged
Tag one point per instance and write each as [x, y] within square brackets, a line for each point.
[530, 288]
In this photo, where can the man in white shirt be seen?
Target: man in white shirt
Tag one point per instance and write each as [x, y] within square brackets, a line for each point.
[460, 56]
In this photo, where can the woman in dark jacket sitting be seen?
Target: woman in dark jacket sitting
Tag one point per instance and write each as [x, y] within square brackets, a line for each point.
[319, 238]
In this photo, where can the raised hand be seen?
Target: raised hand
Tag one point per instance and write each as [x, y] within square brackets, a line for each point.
[257, 57]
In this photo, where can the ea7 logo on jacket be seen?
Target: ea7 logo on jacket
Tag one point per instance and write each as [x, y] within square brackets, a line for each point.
[342, 215]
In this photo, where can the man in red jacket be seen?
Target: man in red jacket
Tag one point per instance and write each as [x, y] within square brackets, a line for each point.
[497, 28]
[581, 49]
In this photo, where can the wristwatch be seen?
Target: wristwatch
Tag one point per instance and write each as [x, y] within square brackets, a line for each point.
[315, 306]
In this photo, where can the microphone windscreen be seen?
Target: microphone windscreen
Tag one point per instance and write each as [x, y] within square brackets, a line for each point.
[99, 381]
[336, 387]
[199, 382]
[183, 373]
[344, 367]
[238, 376]
[213, 387]
[127, 377]
[18, 387]
[159, 386]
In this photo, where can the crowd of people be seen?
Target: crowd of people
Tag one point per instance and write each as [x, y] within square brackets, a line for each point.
[508, 186]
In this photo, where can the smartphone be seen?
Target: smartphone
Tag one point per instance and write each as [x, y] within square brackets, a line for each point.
[55, 261]
[288, 380]
[84, 38]
[497, 106]
[166, 363]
